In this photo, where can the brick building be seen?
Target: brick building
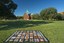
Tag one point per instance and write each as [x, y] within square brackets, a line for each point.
[27, 16]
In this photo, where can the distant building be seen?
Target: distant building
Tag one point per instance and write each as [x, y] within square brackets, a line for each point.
[27, 16]
[62, 13]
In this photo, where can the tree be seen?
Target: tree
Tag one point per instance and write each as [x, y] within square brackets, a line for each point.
[7, 8]
[63, 17]
[19, 17]
[48, 13]
[35, 16]
[59, 16]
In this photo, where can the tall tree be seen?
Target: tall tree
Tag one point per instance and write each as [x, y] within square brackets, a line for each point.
[7, 8]
[48, 13]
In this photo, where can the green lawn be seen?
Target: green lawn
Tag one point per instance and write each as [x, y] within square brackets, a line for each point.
[53, 30]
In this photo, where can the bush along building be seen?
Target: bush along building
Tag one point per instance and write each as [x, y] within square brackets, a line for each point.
[27, 16]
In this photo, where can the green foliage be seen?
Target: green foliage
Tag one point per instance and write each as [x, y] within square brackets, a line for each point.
[7, 8]
[48, 13]
[62, 16]
[5, 1]
[19, 17]
[59, 16]
[35, 16]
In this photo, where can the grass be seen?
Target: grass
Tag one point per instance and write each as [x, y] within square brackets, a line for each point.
[53, 30]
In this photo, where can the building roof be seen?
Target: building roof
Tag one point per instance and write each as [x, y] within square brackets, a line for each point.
[62, 13]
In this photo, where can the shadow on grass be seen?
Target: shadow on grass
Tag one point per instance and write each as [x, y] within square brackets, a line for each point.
[21, 24]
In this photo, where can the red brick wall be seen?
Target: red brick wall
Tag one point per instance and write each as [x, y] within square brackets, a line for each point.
[26, 16]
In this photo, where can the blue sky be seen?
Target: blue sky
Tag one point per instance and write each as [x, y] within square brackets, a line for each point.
[35, 6]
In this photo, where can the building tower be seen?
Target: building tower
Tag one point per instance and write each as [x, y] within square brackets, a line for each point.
[27, 15]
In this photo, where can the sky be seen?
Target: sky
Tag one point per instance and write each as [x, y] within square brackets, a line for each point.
[35, 6]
